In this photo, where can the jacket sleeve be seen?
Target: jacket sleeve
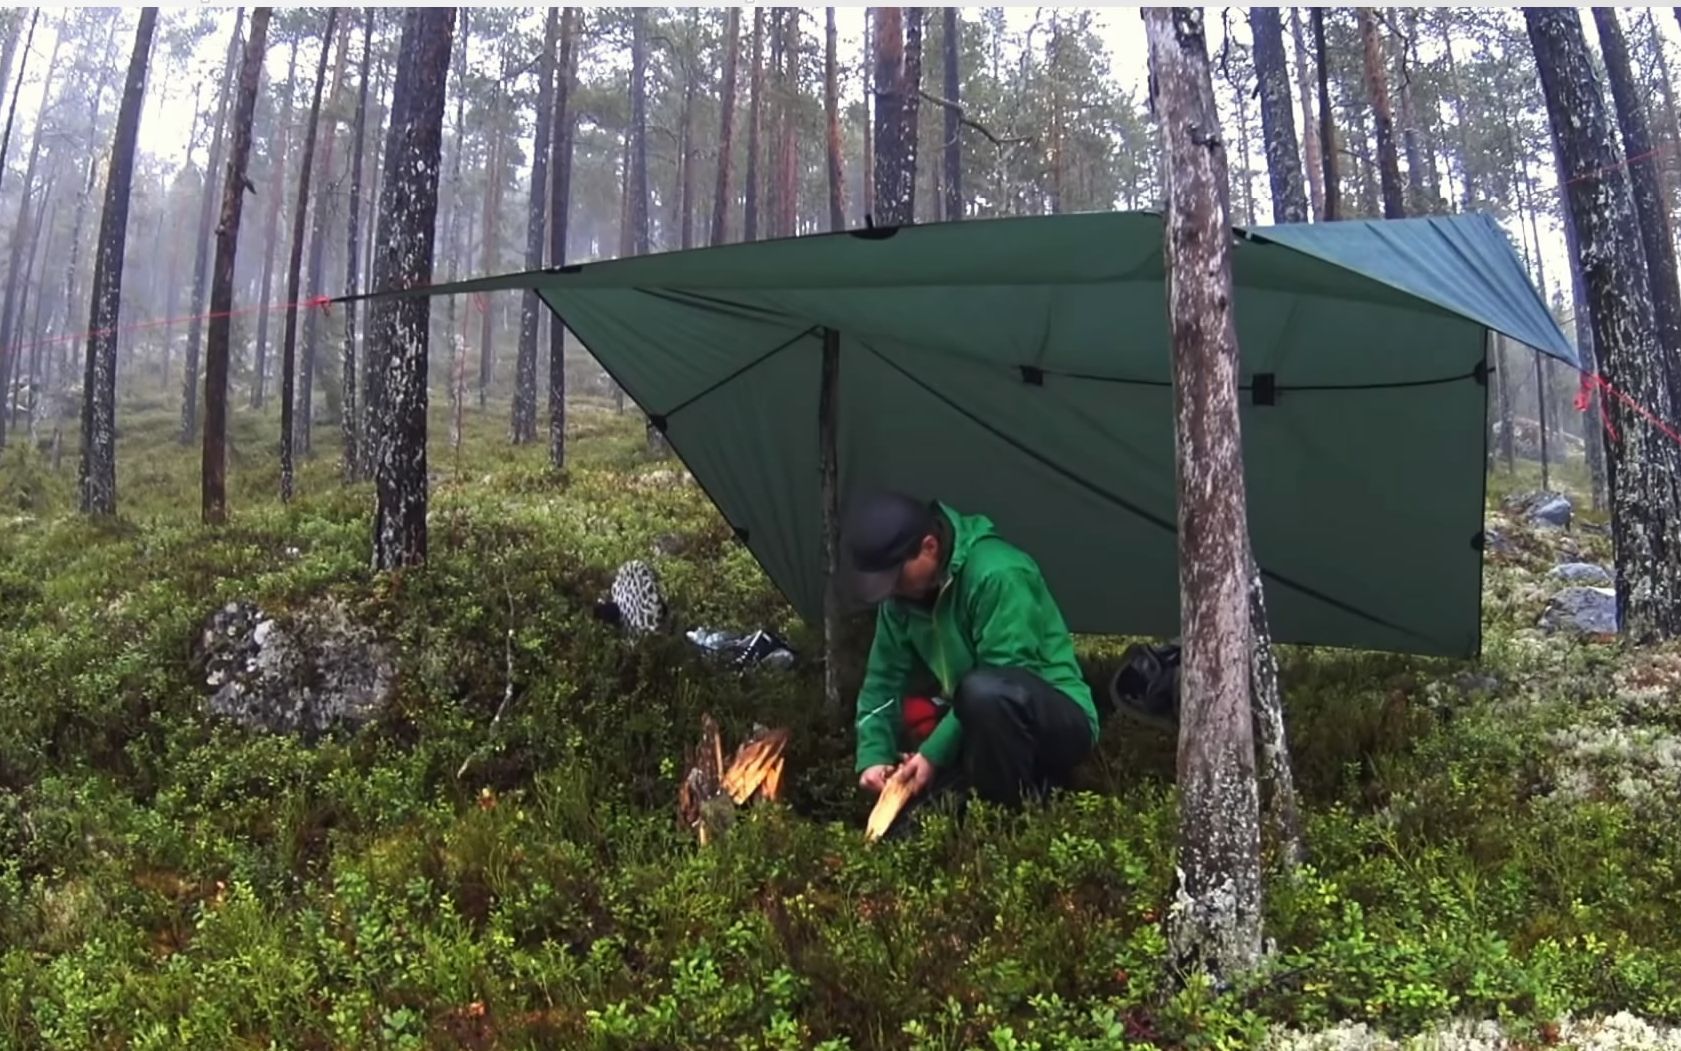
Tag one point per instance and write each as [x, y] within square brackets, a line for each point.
[1004, 611]
[881, 696]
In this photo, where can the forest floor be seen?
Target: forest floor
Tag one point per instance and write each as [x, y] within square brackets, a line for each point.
[1491, 842]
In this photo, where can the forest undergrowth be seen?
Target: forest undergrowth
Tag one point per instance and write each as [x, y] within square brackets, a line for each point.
[1498, 839]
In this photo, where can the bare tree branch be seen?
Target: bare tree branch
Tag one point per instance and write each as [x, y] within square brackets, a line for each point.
[964, 119]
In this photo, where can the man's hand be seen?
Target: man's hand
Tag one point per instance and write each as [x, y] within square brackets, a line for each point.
[918, 773]
[875, 778]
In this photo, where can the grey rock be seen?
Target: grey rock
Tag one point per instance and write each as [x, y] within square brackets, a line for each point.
[1583, 611]
[304, 675]
[1585, 573]
[1546, 509]
[1496, 542]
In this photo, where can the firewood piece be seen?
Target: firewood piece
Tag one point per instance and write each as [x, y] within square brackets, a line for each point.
[894, 795]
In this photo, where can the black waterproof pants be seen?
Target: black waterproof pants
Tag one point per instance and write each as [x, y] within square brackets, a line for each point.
[1021, 735]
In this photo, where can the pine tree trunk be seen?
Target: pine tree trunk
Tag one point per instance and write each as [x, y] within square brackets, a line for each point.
[1644, 466]
[289, 341]
[686, 145]
[8, 50]
[214, 478]
[1461, 123]
[787, 175]
[1278, 126]
[455, 342]
[201, 243]
[560, 205]
[491, 235]
[17, 92]
[271, 233]
[954, 142]
[755, 116]
[831, 116]
[1310, 127]
[377, 354]
[1327, 128]
[911, 96]
[408, 216]
[891, 196]
[72, 274]
[1672, 122]
[1217, 917]
[828, 426]
[1650, 211]
[726, 127]
[303, 417]
[1241, 104]
[1417, 193]
[1377, 88]
[524, 424]
[866, 62]
[350, 420]
[98, 474]
[776, 109]
[639, 239]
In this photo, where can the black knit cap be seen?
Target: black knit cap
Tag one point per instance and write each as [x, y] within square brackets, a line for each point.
[882, 531]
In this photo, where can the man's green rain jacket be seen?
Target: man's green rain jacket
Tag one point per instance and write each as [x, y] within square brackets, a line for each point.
[992, 609]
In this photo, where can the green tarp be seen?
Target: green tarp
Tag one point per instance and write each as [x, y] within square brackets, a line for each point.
[1021, 368]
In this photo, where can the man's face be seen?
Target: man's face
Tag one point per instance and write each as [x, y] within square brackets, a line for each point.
[919, 574]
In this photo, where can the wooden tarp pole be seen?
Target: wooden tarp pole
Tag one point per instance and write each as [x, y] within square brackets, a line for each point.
[827, 413]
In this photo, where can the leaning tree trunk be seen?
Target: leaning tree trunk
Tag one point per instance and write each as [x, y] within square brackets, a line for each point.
[755, 117]
[726, 127]
[201, 243]
[303, 418]
[892, 197]
[560, 205]
[350, 421]
[1327, 127]
[1377, 87]
[1217, 918]
[1310, 127]
[99, 379]
[954, 117]
[215, 476]
[1649, 207]
[1644, 466]
[289, 342]
[831, 120]
[1278, 127]
[408, 215]
[271, 231]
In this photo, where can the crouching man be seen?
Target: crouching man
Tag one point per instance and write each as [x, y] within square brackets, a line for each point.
[960, 605]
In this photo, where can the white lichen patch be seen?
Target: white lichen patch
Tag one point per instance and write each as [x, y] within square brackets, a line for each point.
[1619, 1031]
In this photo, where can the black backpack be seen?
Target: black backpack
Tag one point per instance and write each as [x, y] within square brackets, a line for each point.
[1146, 685]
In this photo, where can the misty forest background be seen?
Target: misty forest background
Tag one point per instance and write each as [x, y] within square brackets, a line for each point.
[640, 102]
